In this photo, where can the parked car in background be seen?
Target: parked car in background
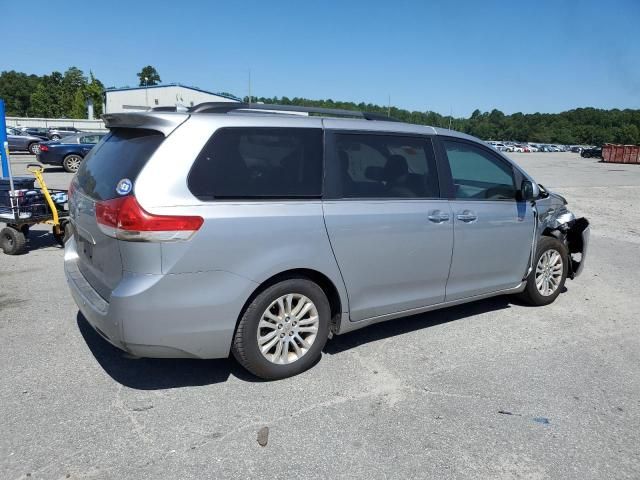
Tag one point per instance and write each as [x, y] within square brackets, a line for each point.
[501, 147]
[39, 132]
[594, 152]
[69, 151]
[274, 232]
[22, 142]
[576, 149]
[56, 133]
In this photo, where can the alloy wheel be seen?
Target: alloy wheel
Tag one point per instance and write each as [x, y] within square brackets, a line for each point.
[72, 163]
[288, 328]
[549, 272]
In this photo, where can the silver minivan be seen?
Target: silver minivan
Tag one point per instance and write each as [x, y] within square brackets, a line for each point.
[264, 230]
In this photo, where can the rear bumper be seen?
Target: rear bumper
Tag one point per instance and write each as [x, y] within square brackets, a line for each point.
[94, 308]
[49, 159]
[191, 315]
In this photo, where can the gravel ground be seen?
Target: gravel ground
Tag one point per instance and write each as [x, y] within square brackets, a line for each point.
[491, 389]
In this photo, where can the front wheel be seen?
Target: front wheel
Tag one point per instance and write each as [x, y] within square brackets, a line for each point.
[71, 163]
[61, 232]
[283, 330]
[546, 280]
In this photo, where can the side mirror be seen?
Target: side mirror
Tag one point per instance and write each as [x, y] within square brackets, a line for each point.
[529, 191]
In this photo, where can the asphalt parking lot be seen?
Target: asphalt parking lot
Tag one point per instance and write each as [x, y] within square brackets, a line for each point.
[492, 389]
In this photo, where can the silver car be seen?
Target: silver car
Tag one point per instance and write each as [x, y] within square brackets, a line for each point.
[225, 228]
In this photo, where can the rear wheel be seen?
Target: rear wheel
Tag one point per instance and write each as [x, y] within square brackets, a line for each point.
[12, 241]
[546, 280]
[71, 163]
[55, 137]
[283, 330]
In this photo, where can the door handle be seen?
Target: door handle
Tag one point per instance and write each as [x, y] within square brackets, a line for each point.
[467, 216]
[438, 216]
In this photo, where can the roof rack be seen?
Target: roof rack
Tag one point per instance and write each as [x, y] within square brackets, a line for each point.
[226, 107]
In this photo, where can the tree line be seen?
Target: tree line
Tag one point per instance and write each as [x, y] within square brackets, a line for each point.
[64, 95]
[580, 126]
[57, 95]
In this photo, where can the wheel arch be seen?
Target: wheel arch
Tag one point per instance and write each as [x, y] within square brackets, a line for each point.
[323, 281]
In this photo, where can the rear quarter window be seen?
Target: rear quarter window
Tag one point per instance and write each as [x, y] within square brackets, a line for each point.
[120, 154]
[248, 162]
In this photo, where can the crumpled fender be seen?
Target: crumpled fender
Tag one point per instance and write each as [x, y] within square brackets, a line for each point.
[556, 220]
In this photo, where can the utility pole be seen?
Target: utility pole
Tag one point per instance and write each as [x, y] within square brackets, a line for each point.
[146, 91]
[450, 116]
[4, 146]
[249, 87]
[389, 106]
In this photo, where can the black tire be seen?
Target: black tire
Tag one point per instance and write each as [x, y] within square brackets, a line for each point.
[34, 148]
[245, 344]
[12, 241]
[68, 232]
[531, 294]
[59, 237]
[55, 137]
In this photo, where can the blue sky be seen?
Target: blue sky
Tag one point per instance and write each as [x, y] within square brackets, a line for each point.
[538, 55]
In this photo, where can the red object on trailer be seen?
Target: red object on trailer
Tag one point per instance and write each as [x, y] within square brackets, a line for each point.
[612, 153]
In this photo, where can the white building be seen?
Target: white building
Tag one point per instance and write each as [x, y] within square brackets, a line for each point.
[117, 100]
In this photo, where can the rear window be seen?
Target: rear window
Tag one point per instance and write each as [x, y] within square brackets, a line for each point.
[120, 154]
[259, 163]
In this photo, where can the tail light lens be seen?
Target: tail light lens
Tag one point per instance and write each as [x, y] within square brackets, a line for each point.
[44, 148]
[125, 219]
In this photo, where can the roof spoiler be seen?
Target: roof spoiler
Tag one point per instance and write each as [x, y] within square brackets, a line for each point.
[159, 121]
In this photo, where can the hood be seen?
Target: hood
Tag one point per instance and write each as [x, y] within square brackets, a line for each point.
[555, 197]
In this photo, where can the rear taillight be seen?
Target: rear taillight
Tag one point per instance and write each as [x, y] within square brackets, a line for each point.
[44, 148]
[125, 219]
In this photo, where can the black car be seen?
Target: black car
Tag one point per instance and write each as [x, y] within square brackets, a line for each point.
[591, 152]
[69, 152]
[56, 133]
[37, 132]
